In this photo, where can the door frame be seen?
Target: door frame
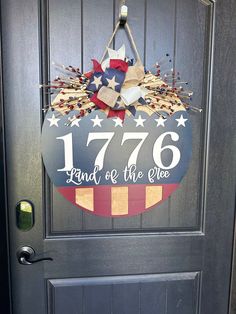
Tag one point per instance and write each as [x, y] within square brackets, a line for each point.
[5, 280]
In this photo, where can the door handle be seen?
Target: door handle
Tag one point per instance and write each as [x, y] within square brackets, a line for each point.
[26, 254]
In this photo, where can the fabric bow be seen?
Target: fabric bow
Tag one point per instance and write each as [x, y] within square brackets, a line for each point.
[115, 84]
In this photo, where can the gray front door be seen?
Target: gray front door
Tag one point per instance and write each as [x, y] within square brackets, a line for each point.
[173, 259]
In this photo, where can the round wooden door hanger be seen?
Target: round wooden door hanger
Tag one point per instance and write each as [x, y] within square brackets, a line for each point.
[112, 168]
[117, 141]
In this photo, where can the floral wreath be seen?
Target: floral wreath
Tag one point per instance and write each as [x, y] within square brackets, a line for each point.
[119, 86]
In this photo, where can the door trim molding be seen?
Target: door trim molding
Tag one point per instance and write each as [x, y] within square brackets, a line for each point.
[232, 294]
[5, 277]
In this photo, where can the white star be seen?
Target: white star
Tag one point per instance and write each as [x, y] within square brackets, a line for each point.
[139, 121]
[181, 121]
[53, 120]
[97, 121]
[75, 121]
[112, 82]
[160, 121]
[118, 122]
[97, 81]
[120, 103]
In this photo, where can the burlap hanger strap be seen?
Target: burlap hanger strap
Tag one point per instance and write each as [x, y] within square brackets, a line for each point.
[131, 38]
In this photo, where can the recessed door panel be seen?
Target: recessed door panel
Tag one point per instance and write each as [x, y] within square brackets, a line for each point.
[162, 26]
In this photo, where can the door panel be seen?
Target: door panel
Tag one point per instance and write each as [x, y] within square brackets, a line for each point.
[166, 293]
[183, 210]
[173, 259]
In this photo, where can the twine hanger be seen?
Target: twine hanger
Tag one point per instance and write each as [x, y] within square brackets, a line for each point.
[122, 22]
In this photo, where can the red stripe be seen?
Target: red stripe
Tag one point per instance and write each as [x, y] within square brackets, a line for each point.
[102, 200]
[137, 196]
[102, 197]
[168, 189]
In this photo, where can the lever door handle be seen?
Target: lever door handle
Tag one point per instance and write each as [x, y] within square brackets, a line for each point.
[26, 254]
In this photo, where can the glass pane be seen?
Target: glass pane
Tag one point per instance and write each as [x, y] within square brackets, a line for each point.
[24, 215]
